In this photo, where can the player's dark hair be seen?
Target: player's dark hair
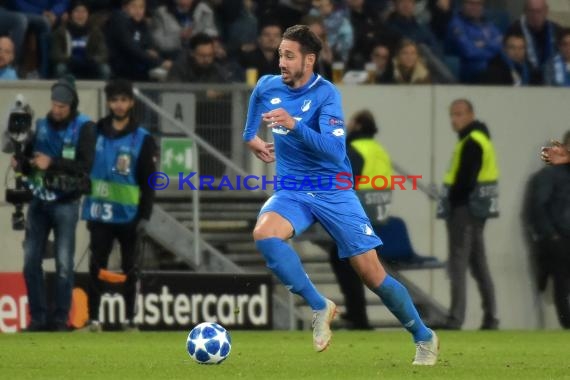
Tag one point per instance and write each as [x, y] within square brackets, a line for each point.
[365, 119]
[310, 43]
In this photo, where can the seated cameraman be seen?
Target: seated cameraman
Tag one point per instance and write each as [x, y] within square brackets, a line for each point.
[57, 165]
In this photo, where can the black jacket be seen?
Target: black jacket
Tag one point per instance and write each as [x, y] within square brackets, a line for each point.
[128, 42]
[498, 72]
[470, 164]
[549, 202]
[145, 166]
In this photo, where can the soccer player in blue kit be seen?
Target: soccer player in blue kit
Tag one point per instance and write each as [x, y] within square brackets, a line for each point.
[304, 112]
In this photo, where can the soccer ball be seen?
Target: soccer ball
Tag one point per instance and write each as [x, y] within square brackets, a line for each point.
[209, 343]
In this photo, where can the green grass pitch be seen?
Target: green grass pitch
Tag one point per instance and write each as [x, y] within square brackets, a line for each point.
[285, 355]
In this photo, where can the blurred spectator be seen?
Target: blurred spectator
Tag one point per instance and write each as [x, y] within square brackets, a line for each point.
[474, 39]
[439, 13]
[540, 33]
[557, 71]
[172, 26]
[42, 16]
[78, 48]
[204, 18]
[510, 66]
[340, 35]
[368, 27]
[230, 66]
[14, 24]
[381, 56]
[549, 219]
[228, 14]
[52, 10]
[324, 65]
[409, 67]
[197, 64]
[288, 12]
[131, 52]
[265, 57]
[243, 32]
[403, 21]
[7, 72]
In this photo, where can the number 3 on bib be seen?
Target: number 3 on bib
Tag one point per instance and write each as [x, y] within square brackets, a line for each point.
[103, 211]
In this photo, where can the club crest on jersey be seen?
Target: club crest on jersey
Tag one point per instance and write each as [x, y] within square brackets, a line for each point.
[275, 101]
[306, 105]
[366, 229]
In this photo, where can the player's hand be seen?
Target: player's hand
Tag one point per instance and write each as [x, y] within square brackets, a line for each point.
[262, 150]
[279, 117]
[41, 161]
[555, 154]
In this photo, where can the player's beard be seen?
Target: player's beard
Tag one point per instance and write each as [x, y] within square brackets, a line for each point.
[293, 77]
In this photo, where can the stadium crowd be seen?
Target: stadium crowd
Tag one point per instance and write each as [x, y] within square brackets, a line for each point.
[218, 41]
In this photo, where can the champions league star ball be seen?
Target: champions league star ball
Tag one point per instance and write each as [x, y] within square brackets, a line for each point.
[209, 343]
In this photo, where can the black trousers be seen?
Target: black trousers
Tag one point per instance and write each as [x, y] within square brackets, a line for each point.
[556, 256]
[102, 236]
[352, 289]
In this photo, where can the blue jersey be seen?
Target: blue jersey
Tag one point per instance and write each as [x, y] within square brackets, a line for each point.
[312, 155]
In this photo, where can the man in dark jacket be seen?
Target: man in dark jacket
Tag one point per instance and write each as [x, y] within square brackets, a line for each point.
[121, 200]
[539, 33]
[510, 67]
[264, 58]
[131, 53]
[469, 198]
[197, 65]
[549, 218]
[78, 47]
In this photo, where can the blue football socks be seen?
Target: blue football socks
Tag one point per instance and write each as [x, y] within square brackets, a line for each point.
[397, 299]
[286, 265]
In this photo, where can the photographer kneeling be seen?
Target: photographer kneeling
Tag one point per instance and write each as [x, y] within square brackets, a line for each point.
[57, 166]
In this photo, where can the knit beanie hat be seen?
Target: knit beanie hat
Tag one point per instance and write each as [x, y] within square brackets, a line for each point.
[64, 91]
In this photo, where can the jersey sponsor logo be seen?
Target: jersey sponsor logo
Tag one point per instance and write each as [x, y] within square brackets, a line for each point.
[306, 105]
[280, 130]
[338, 132]
[275, 101]
[333, 121]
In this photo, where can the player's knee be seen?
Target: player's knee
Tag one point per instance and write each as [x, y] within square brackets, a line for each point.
[264, 232]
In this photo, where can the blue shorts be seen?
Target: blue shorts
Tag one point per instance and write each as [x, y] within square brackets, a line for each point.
[339, 212]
